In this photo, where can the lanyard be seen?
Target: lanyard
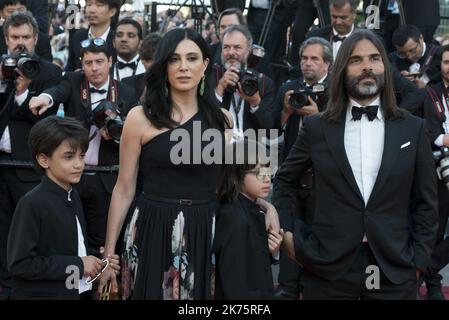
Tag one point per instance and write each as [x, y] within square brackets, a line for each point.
[237, 108]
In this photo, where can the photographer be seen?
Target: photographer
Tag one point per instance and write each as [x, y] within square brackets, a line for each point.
[8, 7]
[436, 113]
[85, 96]
[16, 120]
[248, 95]
[295, 100]
[417, 60]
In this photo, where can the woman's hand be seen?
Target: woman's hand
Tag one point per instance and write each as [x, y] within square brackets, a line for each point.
[271, 215]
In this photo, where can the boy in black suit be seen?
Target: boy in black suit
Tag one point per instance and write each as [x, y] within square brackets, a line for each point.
[47, 255]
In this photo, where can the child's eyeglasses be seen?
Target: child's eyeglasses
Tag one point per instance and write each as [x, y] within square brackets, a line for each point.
[261, 175]
[89, 280]
[97, 42]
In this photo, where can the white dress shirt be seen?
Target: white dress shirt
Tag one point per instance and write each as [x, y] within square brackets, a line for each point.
[337, 44]
[364, 145]
[82, 252]
[91, 157]
[128, 72]
[237, 130]
[439, 141]
[104, 36]
[5, 140]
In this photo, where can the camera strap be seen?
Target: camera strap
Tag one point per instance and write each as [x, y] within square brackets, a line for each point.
[112, 94]
[429, 59]
[439, 106]
[237, 106]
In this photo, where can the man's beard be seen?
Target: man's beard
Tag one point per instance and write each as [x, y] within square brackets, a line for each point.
[364, 91]
[237, 63]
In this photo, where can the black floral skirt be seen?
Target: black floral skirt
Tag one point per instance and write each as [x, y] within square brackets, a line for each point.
[167, 252]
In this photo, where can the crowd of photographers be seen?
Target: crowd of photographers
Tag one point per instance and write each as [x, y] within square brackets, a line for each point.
[96, 74]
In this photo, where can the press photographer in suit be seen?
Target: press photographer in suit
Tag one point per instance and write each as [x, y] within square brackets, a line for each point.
[376, 204]
[295, 100]
[90, 96]
[18, 86]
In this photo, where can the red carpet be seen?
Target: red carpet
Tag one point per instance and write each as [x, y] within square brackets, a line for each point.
[423, 290]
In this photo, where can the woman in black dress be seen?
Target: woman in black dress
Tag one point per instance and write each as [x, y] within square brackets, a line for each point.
[167, 250]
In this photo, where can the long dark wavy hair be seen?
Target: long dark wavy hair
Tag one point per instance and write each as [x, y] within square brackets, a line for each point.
[158, 106]
[338, 96]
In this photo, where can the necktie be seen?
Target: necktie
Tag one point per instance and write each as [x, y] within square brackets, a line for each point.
[370, 111]
[338, 38]
[131, 65]
[95, 90]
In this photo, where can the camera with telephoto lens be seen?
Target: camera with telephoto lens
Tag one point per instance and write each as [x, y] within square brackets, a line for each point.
[441, 158]
[21, 60]
[107, 115]
[298, 99]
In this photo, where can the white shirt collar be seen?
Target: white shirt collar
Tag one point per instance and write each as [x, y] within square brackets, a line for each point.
[375, 102]
[343, 35]
[319, 81]
[424, 48]
[104, 36]
[132, 60]
[105, 86]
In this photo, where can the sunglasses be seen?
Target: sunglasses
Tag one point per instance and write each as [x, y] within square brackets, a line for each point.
[97, 42]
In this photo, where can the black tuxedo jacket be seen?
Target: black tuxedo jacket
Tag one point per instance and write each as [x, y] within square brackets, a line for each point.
[434, 111]
[433, 72]
[400, 219]
[68, 93]
[43, 48]
[39, 9]
[325, 32]
[263, 117]
[241, 236]
[20, 119]
[73, 61]
[43, 243]
[137, 82]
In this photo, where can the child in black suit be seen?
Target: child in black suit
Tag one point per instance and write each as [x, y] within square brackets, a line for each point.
[242, 245]
[47, 256]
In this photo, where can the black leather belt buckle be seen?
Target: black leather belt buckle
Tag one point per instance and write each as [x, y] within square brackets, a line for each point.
[187, 202]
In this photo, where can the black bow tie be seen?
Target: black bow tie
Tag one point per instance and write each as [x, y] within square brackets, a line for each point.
[131, 65]
[95, 90]
[338, 38]
[370, 111]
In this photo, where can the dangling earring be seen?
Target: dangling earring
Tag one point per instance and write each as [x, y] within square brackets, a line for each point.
[202, 86]
[166, 90]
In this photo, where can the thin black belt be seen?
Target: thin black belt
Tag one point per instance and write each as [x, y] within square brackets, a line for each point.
[187, 202]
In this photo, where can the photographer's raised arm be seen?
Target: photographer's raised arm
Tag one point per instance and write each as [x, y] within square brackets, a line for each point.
[59, 93]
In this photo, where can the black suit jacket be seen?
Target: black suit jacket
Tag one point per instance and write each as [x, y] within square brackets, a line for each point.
[243, 260]
[137, 82]
[262, 118]
[73, 61]
[434, 111]
[68, 93]
[400, 235]
[20, 119]
[325, 32]
[434, 70]
[43, 243]
[39, 9]
[43, 48]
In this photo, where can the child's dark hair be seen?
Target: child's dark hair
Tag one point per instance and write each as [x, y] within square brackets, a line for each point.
[47, 134]
[241, 157]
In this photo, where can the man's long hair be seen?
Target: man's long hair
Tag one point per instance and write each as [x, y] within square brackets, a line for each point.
[338, 95]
